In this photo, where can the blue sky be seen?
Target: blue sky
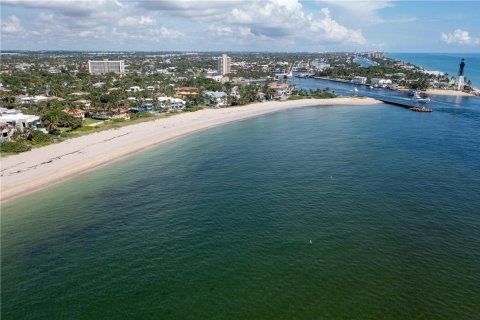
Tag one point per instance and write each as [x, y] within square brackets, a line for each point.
[241, 25]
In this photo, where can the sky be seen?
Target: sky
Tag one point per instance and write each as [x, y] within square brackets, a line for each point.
[241, 25]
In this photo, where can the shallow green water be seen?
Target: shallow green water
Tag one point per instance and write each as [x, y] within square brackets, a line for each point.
[218, 225]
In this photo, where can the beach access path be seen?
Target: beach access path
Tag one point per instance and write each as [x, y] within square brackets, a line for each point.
[41, 167]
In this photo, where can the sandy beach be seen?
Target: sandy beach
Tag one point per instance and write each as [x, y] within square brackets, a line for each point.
[442, 92]
[39, 168]
[445, 92]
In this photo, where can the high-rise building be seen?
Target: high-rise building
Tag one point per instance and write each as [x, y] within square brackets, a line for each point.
[105, 66]
[223, 65]
[375, 54]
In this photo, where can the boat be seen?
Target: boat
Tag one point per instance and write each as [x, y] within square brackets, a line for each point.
[420, 98]
[422, 109]
[371, 87]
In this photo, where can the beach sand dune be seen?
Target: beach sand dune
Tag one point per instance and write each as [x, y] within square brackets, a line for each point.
[41, 167]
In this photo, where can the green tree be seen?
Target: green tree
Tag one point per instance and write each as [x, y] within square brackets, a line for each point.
[51, 121]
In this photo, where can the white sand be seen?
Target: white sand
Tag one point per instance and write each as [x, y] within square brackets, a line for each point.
[41, 167]
[443, 92]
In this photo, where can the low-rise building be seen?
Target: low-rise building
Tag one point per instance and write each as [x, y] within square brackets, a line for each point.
[171, 103]
[79, 94]
[215, 98]
[112, 90]
[182, 92]
[76, 113]
[23, 66]
[23, 99]
[359, 80]
[379, 82]
[235, 92]
[83, 102]
[134, 89]
[21, 121]
[282, 90]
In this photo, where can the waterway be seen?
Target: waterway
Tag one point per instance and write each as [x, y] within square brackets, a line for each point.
[438, 103]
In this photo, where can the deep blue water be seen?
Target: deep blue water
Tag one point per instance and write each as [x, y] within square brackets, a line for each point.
[445, 62]
[345, 212]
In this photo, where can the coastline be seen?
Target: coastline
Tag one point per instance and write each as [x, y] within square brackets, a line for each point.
[445, 92]
[439, 92]
[40, 168]
[453, 93]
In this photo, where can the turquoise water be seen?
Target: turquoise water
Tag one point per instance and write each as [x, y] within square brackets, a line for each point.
[218, 225]
[445, 62]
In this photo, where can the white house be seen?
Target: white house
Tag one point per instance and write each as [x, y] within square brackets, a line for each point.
[21, 121]
[380, 82]
[235, 92]
[171, 103]
[30, 99]
[215, 98]
[83, 102]
[134, 89]
[359, 80]
[23, 66]
[282, 90]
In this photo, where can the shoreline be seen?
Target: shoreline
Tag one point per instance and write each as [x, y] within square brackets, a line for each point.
[438, 92]
[40, 168]
[444, 92]
[452, 93]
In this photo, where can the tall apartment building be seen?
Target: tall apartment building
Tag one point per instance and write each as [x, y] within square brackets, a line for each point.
[105, 66]
[223, 65]
[376, 54]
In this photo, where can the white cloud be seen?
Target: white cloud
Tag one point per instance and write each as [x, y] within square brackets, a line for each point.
[459, 36]
[135, 21]
[69, 8]
[361, 11]
[283, 20]
[166, 33]
[12, 25]
[283, 24]
[331, 30]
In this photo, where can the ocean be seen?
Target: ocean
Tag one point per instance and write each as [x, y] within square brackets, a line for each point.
[445, 62]
[325, 212]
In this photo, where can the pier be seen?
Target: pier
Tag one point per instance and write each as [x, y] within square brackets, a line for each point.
[409, 106]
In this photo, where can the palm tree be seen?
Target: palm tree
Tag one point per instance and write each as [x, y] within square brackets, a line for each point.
[51, 121]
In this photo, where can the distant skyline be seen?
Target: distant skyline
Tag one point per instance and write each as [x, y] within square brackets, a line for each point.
[235, 25]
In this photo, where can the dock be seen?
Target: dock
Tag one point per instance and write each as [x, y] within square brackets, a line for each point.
[409, 106]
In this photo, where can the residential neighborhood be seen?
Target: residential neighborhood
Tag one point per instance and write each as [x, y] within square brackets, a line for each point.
[69, 94]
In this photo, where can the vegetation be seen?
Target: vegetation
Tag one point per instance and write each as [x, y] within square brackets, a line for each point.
[55, 119]
[317, 94]
[14, 147]
[39, 138]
